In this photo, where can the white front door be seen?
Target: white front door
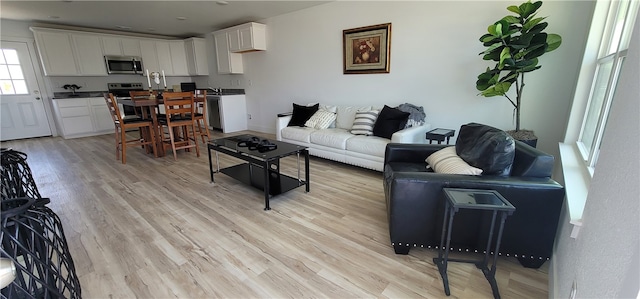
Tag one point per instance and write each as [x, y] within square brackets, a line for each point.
[22, 113]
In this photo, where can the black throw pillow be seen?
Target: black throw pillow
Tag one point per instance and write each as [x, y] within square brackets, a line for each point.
[487, 148]
[301, 114]
[390, 120]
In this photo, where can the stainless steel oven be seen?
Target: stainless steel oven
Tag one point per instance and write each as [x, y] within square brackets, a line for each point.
[121, 90]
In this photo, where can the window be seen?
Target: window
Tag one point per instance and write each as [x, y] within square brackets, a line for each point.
[610, 59]
[11, 76]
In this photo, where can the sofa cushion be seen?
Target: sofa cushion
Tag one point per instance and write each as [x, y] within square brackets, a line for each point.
[301, 134]
[321, 120]
[390, 120]
[332, 109]
[363, 122]
[487, 148]
[301, 114]
[446, 161]
[335, 138]
[369, 145]
[347, 114]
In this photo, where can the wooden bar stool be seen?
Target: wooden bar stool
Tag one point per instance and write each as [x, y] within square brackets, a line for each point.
[122, 124]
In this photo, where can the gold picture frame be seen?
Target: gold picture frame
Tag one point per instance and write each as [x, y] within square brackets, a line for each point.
[367, 50]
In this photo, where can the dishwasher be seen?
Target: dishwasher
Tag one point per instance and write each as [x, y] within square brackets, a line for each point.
[213, 103]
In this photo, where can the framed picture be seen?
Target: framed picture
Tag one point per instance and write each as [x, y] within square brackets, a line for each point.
[367, 49]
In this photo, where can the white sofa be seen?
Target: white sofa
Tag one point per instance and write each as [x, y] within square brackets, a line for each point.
[338, 144]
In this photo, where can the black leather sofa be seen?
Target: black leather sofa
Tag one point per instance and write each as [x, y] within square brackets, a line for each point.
[415, 204]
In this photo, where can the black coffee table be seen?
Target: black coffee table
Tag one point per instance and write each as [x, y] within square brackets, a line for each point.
[262, 170]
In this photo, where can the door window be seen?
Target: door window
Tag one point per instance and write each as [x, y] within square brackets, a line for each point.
[11, 76]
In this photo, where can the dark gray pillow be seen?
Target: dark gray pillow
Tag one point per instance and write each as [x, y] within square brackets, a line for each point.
[487, 148]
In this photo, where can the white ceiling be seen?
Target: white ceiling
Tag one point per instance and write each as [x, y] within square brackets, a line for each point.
[149, 17]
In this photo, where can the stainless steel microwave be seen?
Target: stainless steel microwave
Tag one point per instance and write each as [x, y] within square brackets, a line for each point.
[124, 65]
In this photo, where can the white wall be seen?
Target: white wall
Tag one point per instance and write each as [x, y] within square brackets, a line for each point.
[434, 63]
[604, 259]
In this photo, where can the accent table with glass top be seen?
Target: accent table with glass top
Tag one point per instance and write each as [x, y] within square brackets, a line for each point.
[262, 169]
[473, 199]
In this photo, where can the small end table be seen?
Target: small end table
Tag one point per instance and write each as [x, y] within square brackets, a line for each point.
[473, 199]
[439, 135]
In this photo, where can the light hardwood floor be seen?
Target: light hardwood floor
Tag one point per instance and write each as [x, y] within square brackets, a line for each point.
[157, 228]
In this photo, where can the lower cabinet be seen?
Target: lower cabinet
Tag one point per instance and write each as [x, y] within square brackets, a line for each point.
[81, 117]
[233, 113]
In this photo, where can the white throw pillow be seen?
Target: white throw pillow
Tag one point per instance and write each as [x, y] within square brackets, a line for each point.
[346, 115]
[363, 122]
[447, 161]
[320, 120]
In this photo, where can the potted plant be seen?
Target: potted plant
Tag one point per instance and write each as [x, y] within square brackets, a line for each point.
[515, 43]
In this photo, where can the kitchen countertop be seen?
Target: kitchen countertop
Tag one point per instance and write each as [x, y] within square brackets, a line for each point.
[94, 94]
[79, 94]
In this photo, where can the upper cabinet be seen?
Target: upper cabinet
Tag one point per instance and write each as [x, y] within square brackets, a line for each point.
[247, 37]
[56, 53]
[79, 53]
[233, 41]
[163, 55]
[228, 63]
[69, 54]
[178, 58]
[120, 46]
[89, 55]
[197, 61]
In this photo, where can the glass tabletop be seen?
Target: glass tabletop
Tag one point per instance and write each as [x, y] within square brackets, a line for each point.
[477, 199]
[231, 143]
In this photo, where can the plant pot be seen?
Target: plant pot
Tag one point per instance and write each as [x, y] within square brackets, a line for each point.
[526, 136]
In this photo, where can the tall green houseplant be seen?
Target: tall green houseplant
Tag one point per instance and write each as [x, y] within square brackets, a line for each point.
[515, 43]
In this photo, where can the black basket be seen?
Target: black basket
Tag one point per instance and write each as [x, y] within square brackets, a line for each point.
[33, 238]
[17, 180]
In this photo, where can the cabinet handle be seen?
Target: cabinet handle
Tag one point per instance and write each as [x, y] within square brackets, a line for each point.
[38, 98]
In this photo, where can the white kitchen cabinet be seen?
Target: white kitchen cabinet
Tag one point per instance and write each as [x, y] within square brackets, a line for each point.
[233, 113]
[197, 61]
[81, 117]
[120, 46]
[164, 57]
[56, 52]
[159, 55]
[178, 58]
[65, 53]
[101, 116]
[228, 63]
[89, 57]
[247, 37]
[149, 55]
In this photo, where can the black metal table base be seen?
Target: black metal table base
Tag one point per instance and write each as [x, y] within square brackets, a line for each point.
[262, 174]
[443, 252]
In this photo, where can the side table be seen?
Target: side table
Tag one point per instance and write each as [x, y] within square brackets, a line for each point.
[473, 199]
[439, 135]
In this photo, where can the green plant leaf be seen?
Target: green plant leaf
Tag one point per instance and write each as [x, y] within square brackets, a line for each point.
[530, 69]
[538, 28]
[554, 41]
[510, 77]
[487, 38]
[522, 41]
[504, 55]
[490, 49]
[492, 30]
[511, 19]
[531, 23]
[514, 8]
[499, 89]
[527, 8]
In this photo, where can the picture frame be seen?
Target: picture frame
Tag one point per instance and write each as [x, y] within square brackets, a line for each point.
[367, 50]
